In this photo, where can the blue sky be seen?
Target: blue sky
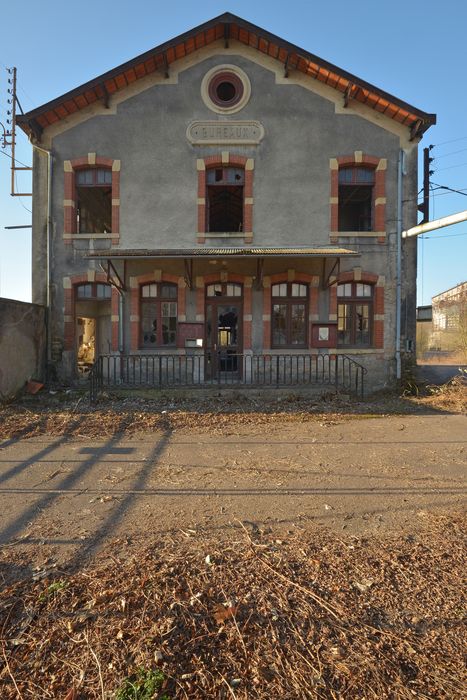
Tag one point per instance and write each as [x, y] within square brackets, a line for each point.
[416, 52]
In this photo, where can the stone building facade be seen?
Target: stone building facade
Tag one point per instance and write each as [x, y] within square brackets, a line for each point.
[225, 192]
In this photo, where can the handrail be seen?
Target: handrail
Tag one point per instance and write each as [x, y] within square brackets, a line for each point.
[223, 368]
[351, 373]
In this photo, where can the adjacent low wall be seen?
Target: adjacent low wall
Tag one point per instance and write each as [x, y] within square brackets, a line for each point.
[22, 345]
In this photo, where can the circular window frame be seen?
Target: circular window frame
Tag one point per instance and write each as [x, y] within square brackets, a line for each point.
[221, 74]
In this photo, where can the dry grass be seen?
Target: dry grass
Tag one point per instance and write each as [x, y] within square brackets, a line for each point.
[247, 616]
[70, 414]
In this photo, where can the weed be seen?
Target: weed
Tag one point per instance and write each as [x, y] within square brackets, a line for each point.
[142, 685]
[54, 587]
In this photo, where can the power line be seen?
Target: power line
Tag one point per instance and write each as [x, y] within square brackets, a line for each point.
[450, 167]
[451, 153]
[445, 235]
[16, 159]
[443, 143]
[451, 192]
[445, 187]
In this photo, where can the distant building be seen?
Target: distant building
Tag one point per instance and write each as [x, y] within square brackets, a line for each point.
[424, 314]
[449, 307]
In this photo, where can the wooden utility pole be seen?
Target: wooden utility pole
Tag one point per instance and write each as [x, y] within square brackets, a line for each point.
[11, 133]
[425, 206]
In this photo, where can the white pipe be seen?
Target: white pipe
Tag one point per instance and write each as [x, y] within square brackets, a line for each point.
[436, 224]
[399, 265]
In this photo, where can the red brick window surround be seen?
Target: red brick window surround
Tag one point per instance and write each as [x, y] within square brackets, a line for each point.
[93, 285]
[360, 180]
[96, 172]
[233, 165]
[357, 304]
[158, 296]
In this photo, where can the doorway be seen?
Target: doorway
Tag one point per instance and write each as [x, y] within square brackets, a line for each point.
[93, 324]
[223, 331]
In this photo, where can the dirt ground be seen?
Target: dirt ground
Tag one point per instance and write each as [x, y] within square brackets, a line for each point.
[234, 548]
[82, 482]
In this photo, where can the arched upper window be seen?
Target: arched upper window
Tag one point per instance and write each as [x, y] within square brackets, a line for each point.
[94, 200]
[356, 198]
[158, 314]
[225, 198]
[224, 289]
[93, 290]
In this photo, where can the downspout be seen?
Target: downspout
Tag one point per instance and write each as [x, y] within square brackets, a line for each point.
[48, 344]
[400, 174]
[120, 322]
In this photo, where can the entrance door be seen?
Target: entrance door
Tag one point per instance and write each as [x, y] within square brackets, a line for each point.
[223, 331]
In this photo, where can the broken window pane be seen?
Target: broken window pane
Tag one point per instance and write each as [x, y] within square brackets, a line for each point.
[354, 318]
[94, 200]
[355, 199]
[289, 318]
[158, 316]
[225, 200]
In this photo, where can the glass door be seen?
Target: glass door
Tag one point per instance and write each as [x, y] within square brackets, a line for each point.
[223, 332]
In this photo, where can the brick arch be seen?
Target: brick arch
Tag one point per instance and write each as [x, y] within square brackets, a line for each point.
[290, 276]
[135, 285]
[378, 282]
[69, 284]
[69, 203]
[225, 276]
[222, 160]
[379, 165]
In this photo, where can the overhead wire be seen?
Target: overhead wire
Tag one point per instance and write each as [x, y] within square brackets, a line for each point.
[450, 167]
[443, 143]
[451, 153]
[16, 159]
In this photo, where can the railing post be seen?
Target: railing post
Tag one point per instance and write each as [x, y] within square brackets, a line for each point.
[336, 371]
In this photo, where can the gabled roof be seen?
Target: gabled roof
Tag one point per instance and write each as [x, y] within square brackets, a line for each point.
[227, 26]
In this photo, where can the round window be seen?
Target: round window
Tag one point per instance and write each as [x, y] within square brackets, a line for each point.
[225, 89]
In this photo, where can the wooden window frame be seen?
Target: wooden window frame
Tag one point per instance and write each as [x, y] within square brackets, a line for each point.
[290, 301]
[92, 185]
[94, 296]
[354, 182]
[158, 301]
[71, 168]
[352, 302]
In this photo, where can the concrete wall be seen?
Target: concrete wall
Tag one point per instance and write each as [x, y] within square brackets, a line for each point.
[22, 345]
[305, 126]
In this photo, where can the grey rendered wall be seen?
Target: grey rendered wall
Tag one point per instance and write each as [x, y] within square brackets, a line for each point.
[22, 345]
[158, 186]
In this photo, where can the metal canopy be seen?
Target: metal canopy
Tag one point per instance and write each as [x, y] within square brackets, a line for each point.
[142, 253]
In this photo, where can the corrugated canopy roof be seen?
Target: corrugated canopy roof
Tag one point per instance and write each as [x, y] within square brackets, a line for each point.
[328, 251]
[225, 27]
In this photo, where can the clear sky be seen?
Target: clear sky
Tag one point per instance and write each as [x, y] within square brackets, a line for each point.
[414, 51]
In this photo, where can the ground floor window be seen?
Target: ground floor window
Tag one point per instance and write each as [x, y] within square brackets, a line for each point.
[289, 315]
[354, 314]
[158, 314]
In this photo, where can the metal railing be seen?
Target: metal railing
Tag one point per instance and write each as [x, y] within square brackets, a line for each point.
[225, 369]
